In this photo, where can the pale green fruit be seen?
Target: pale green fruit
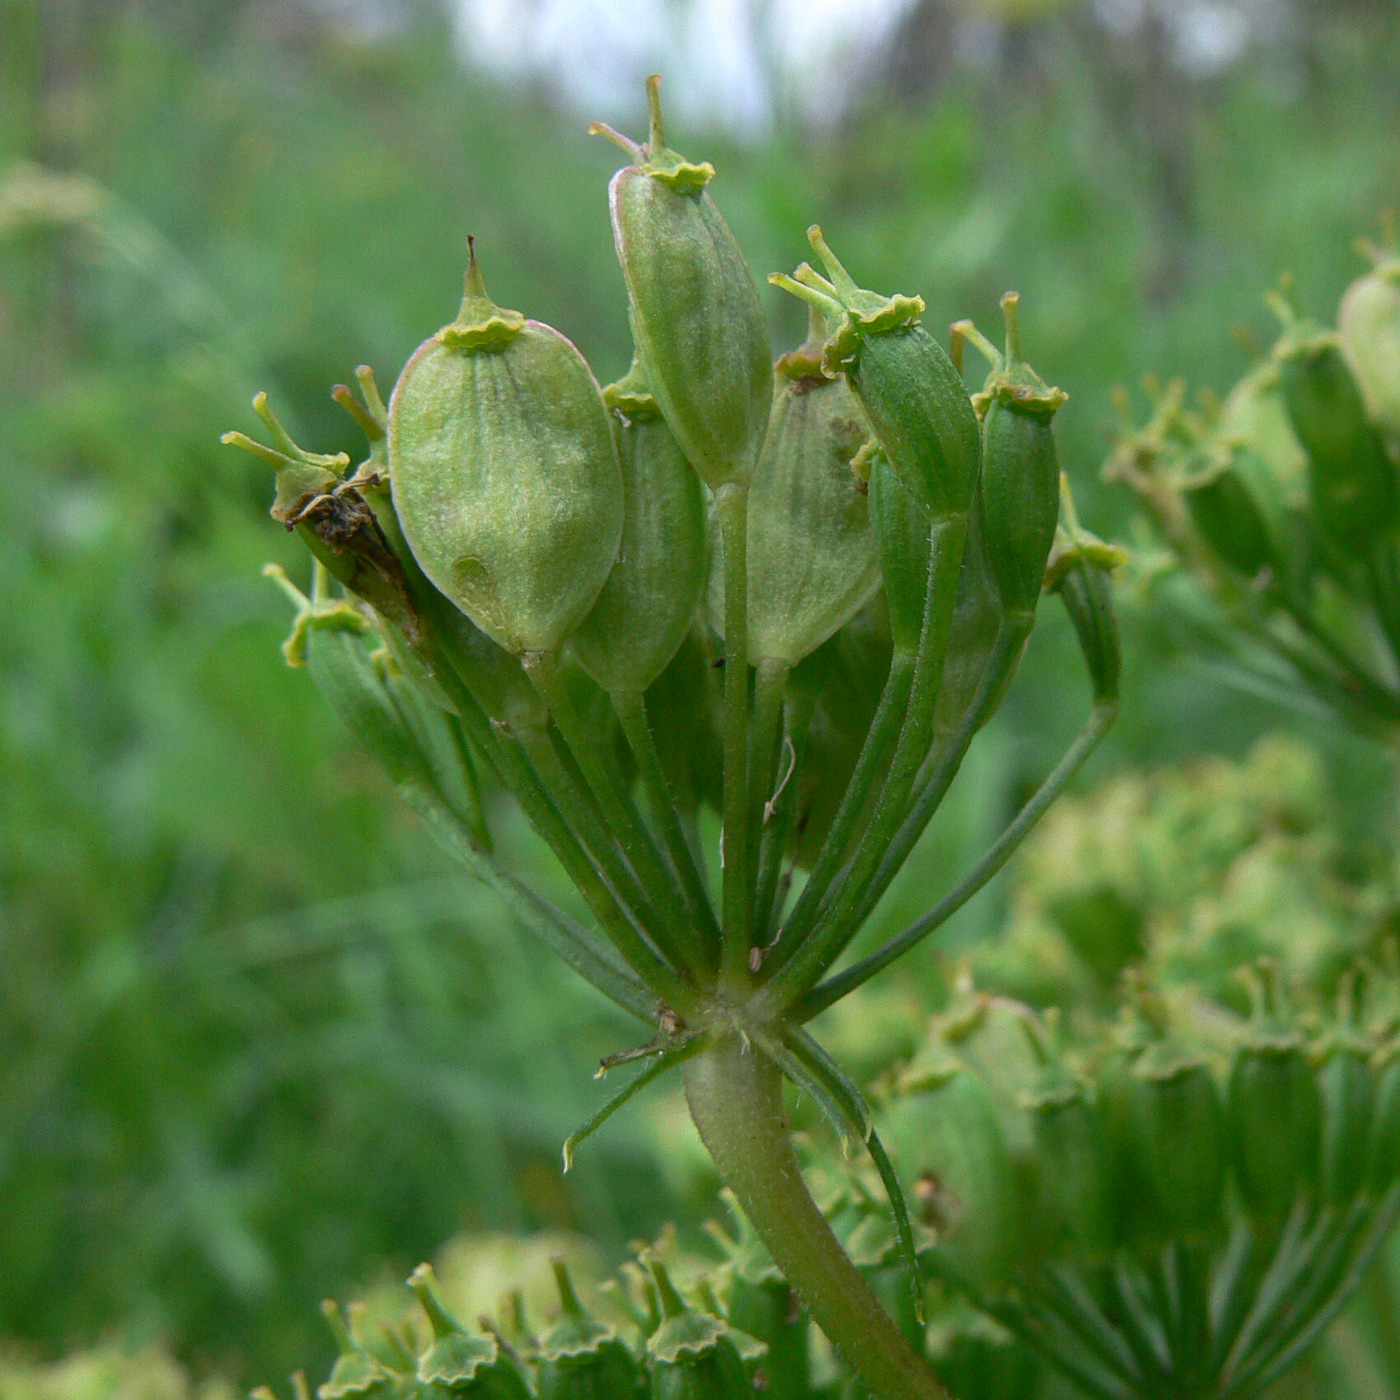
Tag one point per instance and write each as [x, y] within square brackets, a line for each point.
[649, 601]
[504, 472]
[1368, 324]
[1254, 414]
[812, 558]
[694, 307]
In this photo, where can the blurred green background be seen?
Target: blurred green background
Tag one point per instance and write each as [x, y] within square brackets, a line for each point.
[257, 1042]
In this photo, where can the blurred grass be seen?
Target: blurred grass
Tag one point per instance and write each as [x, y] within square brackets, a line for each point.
[253, 1035]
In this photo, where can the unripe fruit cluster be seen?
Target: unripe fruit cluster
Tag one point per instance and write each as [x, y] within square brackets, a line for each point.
[1065, 1176]
[1285, 497]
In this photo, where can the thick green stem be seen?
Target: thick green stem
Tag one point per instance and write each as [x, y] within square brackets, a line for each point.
[735, 1097]
[732, 501]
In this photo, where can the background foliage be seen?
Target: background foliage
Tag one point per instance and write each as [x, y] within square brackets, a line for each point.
[254, 1038]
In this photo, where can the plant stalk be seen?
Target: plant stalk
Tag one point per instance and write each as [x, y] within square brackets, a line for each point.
[735, 1098]
[732, 501]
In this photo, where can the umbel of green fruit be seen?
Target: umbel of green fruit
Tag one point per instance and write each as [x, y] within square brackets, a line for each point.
[504, 472]
[544, 552]
[693, 303]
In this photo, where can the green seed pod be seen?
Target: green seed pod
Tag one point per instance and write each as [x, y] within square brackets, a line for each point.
[1179, 1139]
[1368, 331]
[1255, 434]
[1255, 416]
[493, 676]
[910, 391]
[811, 552]
[902, 527]
[1383, 1154]
[356, 1374]
[1224, 511]
[649, 600]
[945, 1136]
[976, 617]
[504, 472]
[1069, 1153]
[1019, 499]
[1080, 571]
[1275, 1109]
[1115, 1097]
[581, 1358]
[761, 1302]
[1351, 482]
[458, 1362]
[694, 307]
[1348, 1092]
[333, 520]
[692, 1355]
[1348, 1083]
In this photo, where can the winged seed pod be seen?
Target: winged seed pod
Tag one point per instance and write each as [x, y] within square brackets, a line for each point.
[693, 303]
[947, 1140]
[649, 600]
[811, 552]
[1224, 511]
[1081, 572]
[1368, 331]
[1254, 413]
[356, 1375]
[976, 621]
[505, 476]
[1019, 499]
[911, 392]
[1069, 1145]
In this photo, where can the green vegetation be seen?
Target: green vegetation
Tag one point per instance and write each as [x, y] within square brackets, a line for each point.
[257, 1041]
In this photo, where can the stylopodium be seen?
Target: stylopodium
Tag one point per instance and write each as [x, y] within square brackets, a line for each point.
[511, 591]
